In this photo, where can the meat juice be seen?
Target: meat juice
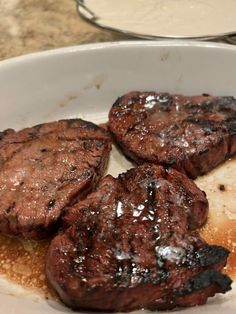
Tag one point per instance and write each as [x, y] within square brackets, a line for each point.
[220, 187]
[23, 262]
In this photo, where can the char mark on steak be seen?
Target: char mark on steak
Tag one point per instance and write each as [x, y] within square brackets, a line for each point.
[192, 134]
[133, 244]
[44, 169]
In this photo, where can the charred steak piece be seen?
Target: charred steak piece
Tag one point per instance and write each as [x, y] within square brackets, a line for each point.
[45, 168]
[190, 134]
[133, 244]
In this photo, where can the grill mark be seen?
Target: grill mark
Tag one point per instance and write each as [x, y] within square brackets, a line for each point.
[141, 117]
[122, 274]
[208, 126]
[187, 200]
[117, 274]
[78, 263]
[118, 271]
[90, 235]
[87, 173]
[85, 139]
[207, 106]
[151, 195]
[152, 214]
[79, 123]
[89, 144]
[222, 103]
[140, 273]
[167, 131]
[30, 140]
[168, 234]
[133, 264]
[123, 105]
[191, 108]
[18, 190]
[109, 228]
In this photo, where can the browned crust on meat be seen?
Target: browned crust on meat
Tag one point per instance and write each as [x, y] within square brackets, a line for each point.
[192, 134]
[45, 168]
[132, 244]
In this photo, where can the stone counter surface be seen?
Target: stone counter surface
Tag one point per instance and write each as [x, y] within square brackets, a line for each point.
[34, 25]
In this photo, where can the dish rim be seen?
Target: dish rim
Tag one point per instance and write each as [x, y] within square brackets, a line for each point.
[115, 45]
[80, 6]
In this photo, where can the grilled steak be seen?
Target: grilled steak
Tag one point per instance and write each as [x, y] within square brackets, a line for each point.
[190, 134]
[133, 244]
[45, 168]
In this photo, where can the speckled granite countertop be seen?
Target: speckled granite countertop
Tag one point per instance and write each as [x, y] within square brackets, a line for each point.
[34, 25]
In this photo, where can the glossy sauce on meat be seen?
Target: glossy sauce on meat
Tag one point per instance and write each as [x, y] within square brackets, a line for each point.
[133, 244]
[191, 134]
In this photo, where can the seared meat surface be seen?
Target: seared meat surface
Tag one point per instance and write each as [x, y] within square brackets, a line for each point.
[45, 168]
[133, 244]
[190, 134]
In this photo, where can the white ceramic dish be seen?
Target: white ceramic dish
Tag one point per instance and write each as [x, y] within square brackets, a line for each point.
[162, 18]
[83, 82]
